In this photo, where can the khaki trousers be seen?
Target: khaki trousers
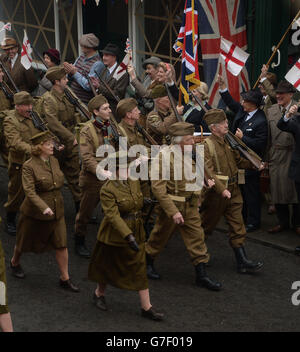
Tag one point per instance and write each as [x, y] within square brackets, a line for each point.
[191, 233]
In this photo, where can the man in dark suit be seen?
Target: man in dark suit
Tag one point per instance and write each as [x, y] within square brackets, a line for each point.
[250, 125]
[290, 122]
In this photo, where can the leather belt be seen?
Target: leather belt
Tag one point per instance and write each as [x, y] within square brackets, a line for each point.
[132, 216]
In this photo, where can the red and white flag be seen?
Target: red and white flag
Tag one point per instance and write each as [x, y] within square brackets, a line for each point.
[7, 27]
[293, 76]
[122, 68]
[26, 58]
[233, 57]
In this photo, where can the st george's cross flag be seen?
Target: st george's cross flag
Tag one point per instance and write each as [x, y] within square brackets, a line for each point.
[293, 76]
[233, 57]
[26, 58]
[122, 68]
[6, 27]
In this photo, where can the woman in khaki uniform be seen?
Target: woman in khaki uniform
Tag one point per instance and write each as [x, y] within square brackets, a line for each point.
[119, 255]
[5, 319]
[42, 224]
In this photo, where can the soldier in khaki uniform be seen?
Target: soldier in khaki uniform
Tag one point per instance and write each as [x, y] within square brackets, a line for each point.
[178, 208]
[42, 226]
[225, 198]
[6, 95]
[61, 119]
[5, 318]
[119, 254]
[95, 133]
[162, 117]
[18, 129]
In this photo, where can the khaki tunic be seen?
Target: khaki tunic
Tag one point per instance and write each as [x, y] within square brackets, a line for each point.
[89, 184]
[191, 231]
[61, 119]
[158, 123]
[17, 130]
[5, 104]
[3, 290]
[37, 232]
[24, 79]
[281, 145]
[214, 206]
[113, 261]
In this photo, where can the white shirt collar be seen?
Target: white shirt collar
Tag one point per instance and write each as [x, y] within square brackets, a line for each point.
[13, 61]
[250, 114]
[110, 69]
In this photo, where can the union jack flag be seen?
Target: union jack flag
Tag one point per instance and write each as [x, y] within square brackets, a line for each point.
[187, 44]
[222, 18]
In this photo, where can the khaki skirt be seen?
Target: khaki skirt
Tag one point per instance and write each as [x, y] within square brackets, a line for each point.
[121, 267]
[40, 236]
[3, 298]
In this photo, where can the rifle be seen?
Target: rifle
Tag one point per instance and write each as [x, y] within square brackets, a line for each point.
[7, 91]
[74, 100]
[199, 102]
[8, 75]
[91, 85]
[41, 125]
[117, 99]
[236, 143]
[178, 117]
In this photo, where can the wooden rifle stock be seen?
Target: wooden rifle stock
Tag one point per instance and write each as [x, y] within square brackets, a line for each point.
[199, 102]
[8, 75]
[74, 100]
[117, 99]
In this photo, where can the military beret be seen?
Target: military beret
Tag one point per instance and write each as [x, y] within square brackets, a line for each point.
[8, 43]
[23, 98]
[158, 91]
[285, 87]
[89, 40]
[96, 102]
[181, 129]
[55, 72]
[214, 116]
[124, 106]
[41, 137]
[153, 60]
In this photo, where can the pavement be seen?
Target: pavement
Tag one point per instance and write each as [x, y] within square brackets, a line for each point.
[285, 241]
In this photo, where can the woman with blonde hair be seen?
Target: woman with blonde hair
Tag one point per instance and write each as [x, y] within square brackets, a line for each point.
[42, 226]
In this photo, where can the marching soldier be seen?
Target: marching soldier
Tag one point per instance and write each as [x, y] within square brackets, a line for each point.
[225, 198]
[95, 133]
[18, 129]
[61, 119]
[178, 209]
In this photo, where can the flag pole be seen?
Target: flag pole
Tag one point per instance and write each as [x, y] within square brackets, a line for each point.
[180, 91]
[278, 46]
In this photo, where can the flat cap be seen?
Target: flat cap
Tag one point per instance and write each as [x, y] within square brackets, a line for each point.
[41, 137]
[96, 102]
[55, 72]
[153, 60]
[8, 43]
[285, 87]
[124, 106]
[181, 129]
[214, 116]
[89, 40]
[158, 91]
[23, 98]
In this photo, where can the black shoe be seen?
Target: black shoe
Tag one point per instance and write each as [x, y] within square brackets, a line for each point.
[68, 285]
[151, 272]
[251, 228]
[244, 265]
[99, 302]
[17, 271]
[203, 280]
[11, 227]
[152, 314]
[80, 247]
[297, 250]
